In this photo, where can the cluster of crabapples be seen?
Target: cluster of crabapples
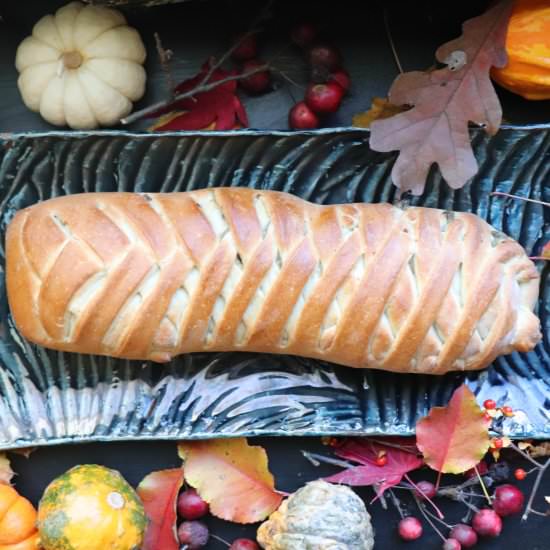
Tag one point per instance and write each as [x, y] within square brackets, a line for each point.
[193, 534]
[506, 500]
[329, 81]
[245, 54]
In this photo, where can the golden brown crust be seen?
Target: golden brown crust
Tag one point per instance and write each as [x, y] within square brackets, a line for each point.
[150, 276]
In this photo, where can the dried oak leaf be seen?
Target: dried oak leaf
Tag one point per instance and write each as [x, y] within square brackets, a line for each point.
[380, 108]
[232, 476]
[435, 130]
[364, 451]
[159, 493]
[216, 109]
[540, 450]
[454, 438]
[6, 473]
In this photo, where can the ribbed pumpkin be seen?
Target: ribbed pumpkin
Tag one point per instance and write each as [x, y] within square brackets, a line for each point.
[17, 521]
[528, 46]
[90, 507]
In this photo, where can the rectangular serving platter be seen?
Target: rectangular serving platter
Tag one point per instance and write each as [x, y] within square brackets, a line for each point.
[48, 397]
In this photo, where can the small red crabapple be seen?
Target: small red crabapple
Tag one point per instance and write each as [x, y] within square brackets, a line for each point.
[487, 523]
[244, 544]
[191, 505]
[410, 528]
[451, 544]
[508, 500]
[520, 474]
[489, 404]
[464, 534]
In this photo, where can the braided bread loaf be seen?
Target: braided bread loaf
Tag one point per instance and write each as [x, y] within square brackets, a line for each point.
[150, 276]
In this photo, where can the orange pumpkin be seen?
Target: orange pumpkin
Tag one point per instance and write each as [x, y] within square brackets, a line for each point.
[17, 521]
[528, 46]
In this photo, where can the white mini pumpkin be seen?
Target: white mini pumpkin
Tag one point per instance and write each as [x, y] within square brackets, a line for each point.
[81, 67]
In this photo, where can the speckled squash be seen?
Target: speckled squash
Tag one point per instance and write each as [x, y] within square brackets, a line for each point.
[90, 507]
[528, 46]
[319, 516]
[17, 521]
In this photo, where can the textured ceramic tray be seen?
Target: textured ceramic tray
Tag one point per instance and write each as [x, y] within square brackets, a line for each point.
[48, 397]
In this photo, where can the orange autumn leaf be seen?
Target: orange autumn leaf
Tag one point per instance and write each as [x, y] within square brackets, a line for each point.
[380, 108]
[232, 476]
[454, 438]
[546, 251]
[6, 473]
[159, 493]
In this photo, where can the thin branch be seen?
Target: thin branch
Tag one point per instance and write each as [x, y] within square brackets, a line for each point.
[538, 479]
[137, 115]
[525, 455]
[164, 57]
[396, 502]
[317, 459]
[526, 199]
[390, 40]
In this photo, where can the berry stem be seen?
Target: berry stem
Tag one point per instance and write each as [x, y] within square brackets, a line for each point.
[538, 479]
[526, 199]
[438, 511]
[396, 502]
[427, 517]
[223, 541]
[483, 488]
[433, 516]
[391, 42]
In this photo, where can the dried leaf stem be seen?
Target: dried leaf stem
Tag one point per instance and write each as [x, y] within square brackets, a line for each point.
[164, 59]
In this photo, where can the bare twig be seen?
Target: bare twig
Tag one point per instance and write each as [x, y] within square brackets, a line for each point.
[391, 42]
[534, 490]
[164, 57]
[317, 459]
[396, 502]
[526, 199]
[525, 455]
[191, 93]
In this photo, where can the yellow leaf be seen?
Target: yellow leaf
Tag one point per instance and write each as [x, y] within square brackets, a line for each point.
[380, 108]
[232, 476]
[454, 438]
[6, 473]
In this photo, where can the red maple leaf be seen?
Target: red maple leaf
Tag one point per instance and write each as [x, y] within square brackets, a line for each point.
[365, 452]
[216, 109]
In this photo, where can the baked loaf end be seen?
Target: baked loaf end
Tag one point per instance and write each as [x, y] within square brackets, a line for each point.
[150, 276]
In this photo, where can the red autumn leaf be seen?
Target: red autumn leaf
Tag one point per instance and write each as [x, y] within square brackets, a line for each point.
[216, 109]
[159, 494]
[454, 438]
[365, 452]
[232, 476]
[435, 130]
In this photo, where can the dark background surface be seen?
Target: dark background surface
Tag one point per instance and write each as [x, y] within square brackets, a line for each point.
[291, 471]
[194, 31]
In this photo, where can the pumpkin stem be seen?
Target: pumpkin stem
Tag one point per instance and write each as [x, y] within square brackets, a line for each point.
[72, 60]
